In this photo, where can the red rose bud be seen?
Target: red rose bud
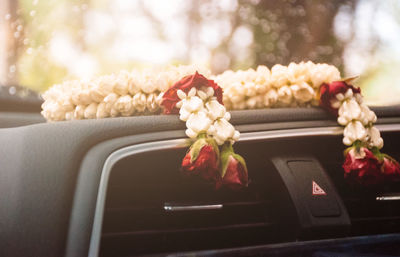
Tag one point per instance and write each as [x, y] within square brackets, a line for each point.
[202, 160]
[170, 97]
[329, 91]
[234, 171]
[390, 168]
[361, 166]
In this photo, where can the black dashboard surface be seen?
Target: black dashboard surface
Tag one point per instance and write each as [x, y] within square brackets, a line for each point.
[40, 165]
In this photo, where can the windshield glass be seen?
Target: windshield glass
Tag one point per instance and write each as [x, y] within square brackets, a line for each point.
[43, 42]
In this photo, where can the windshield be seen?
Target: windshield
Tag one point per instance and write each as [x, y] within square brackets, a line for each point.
[43, 42]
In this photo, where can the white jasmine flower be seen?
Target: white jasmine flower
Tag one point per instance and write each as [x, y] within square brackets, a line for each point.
[270, 98]
[348, 94]
[331, 73]
[133, 89]
[139, 102]
[184, 114]
[215, 109]
[147, 83]
[354, 131]
[182, 95]
[79, 112]
[336, 103]
[96, 93]
[279, 76]
[348, 111]
[206, 93]
[192, 92]
[298, 73]
[192, 104]
[149, 86]
[250, 75]
[202, 94]
[198, 122]
[114, 112]
[227, 116]
[162, 82]
[374, 137]
[250, 89]
[223, 131]
[234, 96]
[359, 98]
[90, 111]
[159, 98]
[285, 96]
[368, 116]
[110, 100]
[236, 135]
[64, 103]
[251, 103]
[262, 88]
[323, 73]
[190, 133]
[340, 97]
[121, 86]
[84, 97]
[101, 111]
[54, 93]
[255, 102]
[317, 78]
[75, 96]
[302, 92]
[152, 105]
[52, 111]
[263, 70]
[124, 105]
[358, 154]
[69, 115]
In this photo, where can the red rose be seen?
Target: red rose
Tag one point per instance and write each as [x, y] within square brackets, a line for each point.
[202, 160]
[390, 168]
[170, 97]
[362, 167]
[329, 91]
[234, 171]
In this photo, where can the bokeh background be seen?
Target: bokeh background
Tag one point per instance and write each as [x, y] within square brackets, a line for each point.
[43, 42]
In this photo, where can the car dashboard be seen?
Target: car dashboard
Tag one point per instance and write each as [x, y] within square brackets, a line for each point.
[112, 187]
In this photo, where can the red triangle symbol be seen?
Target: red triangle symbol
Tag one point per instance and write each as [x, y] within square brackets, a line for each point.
[316, 189]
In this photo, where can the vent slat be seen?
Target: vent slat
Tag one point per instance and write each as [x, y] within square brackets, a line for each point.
[130, 219]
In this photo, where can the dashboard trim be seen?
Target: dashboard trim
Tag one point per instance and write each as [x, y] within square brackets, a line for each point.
[124, 152]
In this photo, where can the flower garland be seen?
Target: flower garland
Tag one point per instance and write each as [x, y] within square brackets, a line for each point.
[203, 105]
[364, 163]
[122, 94]
[140, 92]
[199, 103]
[295, 85]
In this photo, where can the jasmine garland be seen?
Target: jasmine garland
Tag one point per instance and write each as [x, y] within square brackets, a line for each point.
[140, 92]
[203, 105]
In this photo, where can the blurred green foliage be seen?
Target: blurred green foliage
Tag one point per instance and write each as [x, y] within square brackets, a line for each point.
[281, 32]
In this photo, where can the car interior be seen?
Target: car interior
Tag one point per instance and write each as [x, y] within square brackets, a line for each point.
[199, 128]
[112, 187]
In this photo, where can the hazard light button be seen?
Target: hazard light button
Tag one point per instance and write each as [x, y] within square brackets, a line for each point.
[314, 188]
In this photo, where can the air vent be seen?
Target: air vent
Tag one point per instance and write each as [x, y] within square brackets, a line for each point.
[144, 189]
[151, 208]
[372, 210]
[369, 212]
[368, 215]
